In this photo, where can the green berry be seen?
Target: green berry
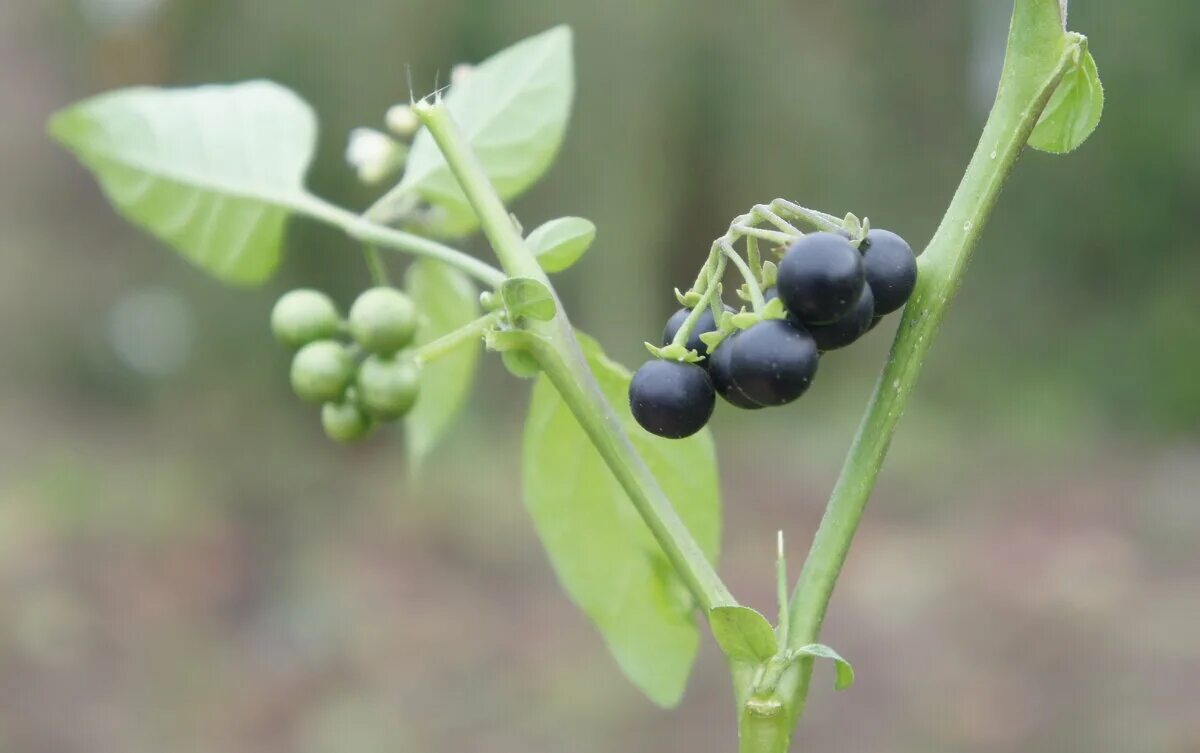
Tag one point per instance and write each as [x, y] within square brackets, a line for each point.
[321, 371]
[302, 316]
[345, 421]
[387, 385]
[383, 320]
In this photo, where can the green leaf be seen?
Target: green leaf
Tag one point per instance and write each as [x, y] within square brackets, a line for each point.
[213, 171]
[602, 552]
[845, 672]
[527, 297]
[743, 634]
[447, 301]
[560, 243]
[1073, 111]
[513, 109]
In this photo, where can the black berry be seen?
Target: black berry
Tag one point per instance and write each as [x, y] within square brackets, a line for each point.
[891, 269]
[849, 328]
[722, 375]
[773, 362]
[821, 278]
[706, 323]
[671, 398]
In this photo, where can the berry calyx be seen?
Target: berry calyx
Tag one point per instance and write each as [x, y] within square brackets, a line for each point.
[720, 370]
[672, 399]
[302, 316]
[773, 362]
[849, 328]
[383, 320]
[388, 385]
[345, 421]
[891, 269]
[706, 323]
[820, 278]
[321, 371]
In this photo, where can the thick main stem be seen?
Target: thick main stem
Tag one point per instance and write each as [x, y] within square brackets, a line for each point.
[557, 350]
[1013, 117]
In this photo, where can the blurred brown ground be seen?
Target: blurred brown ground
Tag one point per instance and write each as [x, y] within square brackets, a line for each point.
[186, 565]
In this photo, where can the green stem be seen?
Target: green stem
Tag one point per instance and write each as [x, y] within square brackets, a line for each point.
[1020, 101]
[756, 295]
[819, 220]
[375, 265]
[447, 343]
[557, 351]
[366, 231]
[707, 298]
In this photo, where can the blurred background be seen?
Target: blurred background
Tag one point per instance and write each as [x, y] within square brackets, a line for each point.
[187, 565]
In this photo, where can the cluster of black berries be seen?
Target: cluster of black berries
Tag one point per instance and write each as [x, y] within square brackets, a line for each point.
[358, 384]
[833, 293]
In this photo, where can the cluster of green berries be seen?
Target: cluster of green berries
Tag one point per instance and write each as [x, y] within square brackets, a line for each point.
[833, 293]
[358, 383]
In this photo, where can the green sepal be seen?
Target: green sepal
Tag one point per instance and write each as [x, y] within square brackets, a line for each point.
[770, 274]
[713, 339]
[773, 310]
[745, 319]
[674, 352]
[689, 299]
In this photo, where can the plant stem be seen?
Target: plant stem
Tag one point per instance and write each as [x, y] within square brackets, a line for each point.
[376, 265]
[1019, 103]
[557, 351]
[366, 231]
[447, 343]
[706, 299]
[756, 296]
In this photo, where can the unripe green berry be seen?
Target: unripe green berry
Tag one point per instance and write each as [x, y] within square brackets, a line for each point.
[387, 385]
[302, 316]
[345, 421]
[383, 320]
[321, 370]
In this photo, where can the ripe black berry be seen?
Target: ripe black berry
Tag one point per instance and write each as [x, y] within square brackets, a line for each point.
[773, 362]
[821, 278]
[722, 375]
[671, 398]
[891, 269]
[706, 323]
[849, 328]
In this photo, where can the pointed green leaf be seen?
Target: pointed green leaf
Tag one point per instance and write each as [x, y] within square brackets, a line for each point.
[1074, 110]
[213, 171]
[743, 634]
[527, 297]
[560, 243]
[602, 552]
[447, 300]
[844, 672]
[513, 109]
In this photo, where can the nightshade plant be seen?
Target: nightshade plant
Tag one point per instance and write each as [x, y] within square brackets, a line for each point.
[216, 171]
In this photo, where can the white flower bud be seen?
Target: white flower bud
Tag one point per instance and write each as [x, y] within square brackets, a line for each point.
[461, 73]
[401, 120]
[373, 154]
